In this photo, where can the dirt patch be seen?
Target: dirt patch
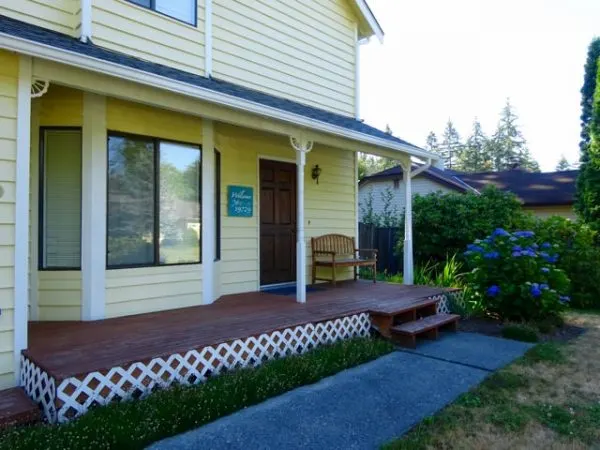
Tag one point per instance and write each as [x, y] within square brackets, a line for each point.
[572, 328]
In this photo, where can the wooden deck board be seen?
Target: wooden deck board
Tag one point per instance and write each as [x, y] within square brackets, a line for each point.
[16, 408]
[73, 348]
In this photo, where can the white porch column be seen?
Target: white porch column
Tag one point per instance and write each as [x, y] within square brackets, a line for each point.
[302, 147]
[208, 212]
[408, 234]
[21, 268]
[93, 207]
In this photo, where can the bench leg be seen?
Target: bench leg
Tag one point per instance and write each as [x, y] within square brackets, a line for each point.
[333, 273]
[374, 273]
[355, 273]
[314, 273]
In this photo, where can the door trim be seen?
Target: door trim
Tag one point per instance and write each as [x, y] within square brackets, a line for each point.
[259, 157]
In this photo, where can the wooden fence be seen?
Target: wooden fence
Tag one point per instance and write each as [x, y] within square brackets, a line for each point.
[384, 239]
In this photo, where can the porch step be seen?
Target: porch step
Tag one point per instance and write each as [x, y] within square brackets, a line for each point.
[388, 315]
[406, 333]
[16, 408]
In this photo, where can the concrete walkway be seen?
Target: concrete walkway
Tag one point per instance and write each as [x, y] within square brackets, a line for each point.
[360, 408]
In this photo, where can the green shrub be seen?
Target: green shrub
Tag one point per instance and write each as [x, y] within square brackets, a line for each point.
[579, 257]
[443, 224]
[516, 278]
[520, 332]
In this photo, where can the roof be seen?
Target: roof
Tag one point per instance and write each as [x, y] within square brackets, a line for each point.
[531, 188]
[445, 177]
[39, 35]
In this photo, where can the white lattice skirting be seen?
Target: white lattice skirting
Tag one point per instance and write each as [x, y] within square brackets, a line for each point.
[74, 396]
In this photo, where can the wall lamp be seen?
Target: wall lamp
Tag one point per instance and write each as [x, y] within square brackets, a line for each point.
[316, 173]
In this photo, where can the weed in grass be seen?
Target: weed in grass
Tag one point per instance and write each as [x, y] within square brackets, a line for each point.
[470, 400]
[548, 352]
[508, 418]
[520, 332]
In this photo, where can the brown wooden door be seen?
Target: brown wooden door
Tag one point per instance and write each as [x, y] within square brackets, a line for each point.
[277, 222]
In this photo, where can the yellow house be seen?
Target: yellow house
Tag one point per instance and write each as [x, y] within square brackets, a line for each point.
[157, 155]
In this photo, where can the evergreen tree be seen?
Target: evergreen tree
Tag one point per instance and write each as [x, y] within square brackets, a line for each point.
[369, 164]
[476, 155]
[563, 164]
[584, 183]
[508, 146]
[432, 144]
[451, 147]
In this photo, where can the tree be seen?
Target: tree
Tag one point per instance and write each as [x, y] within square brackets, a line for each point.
[476, 154]
[584, 183]
[563, 164]
[369, 164]
[589, 179]
[432, 143]
[451, 147]
[508, 146]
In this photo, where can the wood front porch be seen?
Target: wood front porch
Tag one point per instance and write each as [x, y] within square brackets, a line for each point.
[87, 363]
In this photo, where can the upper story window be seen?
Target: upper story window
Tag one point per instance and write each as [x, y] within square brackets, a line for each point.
[184, 10]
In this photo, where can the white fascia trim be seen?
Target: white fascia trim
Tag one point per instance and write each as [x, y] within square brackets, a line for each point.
[370, 18]
[78, 60]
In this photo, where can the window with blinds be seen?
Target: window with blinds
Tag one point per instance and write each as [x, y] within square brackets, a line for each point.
[60, 197]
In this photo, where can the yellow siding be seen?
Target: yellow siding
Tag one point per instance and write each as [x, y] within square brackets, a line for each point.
[543, 212]
[128, 28]
[142, 290]
[59, 294]
[57, 15]
[303, 50]
[61, 107]
[9, 71]
[329, 206]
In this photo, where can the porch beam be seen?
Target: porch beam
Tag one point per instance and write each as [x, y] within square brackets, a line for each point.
[302, 146]
[208, 212]
[21, 264]
[93, 207]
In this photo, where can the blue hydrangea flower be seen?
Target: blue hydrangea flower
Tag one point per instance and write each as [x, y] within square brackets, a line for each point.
[544, 287]
[535, 290]
[524, 234]
[517, 248]
[564, 299]
[468, 253]
[493, 290]
[551, 259]
[516, 254]
[491, 255]
[529, 252]
[475, 248]
[546, 245]
[512, 239]
[545, 270]
[500, 232]
[535, 246]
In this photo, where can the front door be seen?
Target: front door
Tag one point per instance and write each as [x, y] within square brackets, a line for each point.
[277, 222]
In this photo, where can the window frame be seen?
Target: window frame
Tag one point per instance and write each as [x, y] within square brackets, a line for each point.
[217, 162]
[152, 8]
[42, 199]
[156, 200]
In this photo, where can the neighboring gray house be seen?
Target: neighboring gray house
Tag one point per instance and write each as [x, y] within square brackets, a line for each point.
[543, 194]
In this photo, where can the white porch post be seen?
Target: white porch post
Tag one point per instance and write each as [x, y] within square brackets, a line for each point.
[208, 212]
[93, 207]
[21, 268]
[408, 234]
[302, 147]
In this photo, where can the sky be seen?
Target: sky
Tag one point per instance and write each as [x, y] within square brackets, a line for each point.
[462, 59]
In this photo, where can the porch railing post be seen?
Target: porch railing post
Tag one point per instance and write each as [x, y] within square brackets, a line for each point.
[302, 147]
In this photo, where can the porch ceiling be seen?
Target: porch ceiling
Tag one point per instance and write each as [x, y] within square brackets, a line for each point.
[317, 123]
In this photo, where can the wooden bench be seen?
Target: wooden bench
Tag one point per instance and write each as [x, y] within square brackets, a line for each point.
[337, 250]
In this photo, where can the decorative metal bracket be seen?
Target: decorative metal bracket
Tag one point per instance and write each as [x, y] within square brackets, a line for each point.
[39, 88]
[301, 144]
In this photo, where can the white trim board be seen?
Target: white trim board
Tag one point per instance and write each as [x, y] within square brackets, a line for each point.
[86, 62]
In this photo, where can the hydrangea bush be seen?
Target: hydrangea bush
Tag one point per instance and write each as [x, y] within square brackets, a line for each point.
[515, 277]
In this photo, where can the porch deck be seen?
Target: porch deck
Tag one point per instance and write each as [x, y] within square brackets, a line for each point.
[67, 349]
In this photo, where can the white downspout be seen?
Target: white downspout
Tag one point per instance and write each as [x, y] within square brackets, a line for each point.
[408, 227]
[86, 21]
[208, 37]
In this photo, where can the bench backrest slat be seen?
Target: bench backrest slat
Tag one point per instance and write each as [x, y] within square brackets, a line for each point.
[338, 243]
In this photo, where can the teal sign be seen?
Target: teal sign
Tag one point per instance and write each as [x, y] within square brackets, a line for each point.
[240, 201]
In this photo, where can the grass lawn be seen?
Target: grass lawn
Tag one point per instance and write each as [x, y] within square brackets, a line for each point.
[136, 424]
[549, 399]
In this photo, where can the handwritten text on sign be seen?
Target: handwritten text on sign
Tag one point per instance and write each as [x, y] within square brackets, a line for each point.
[240, 201]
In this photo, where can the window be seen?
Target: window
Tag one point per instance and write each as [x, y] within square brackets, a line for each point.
[153, 210]
[396, 183]
[184, 10]
[217, 205]
[60, 199]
